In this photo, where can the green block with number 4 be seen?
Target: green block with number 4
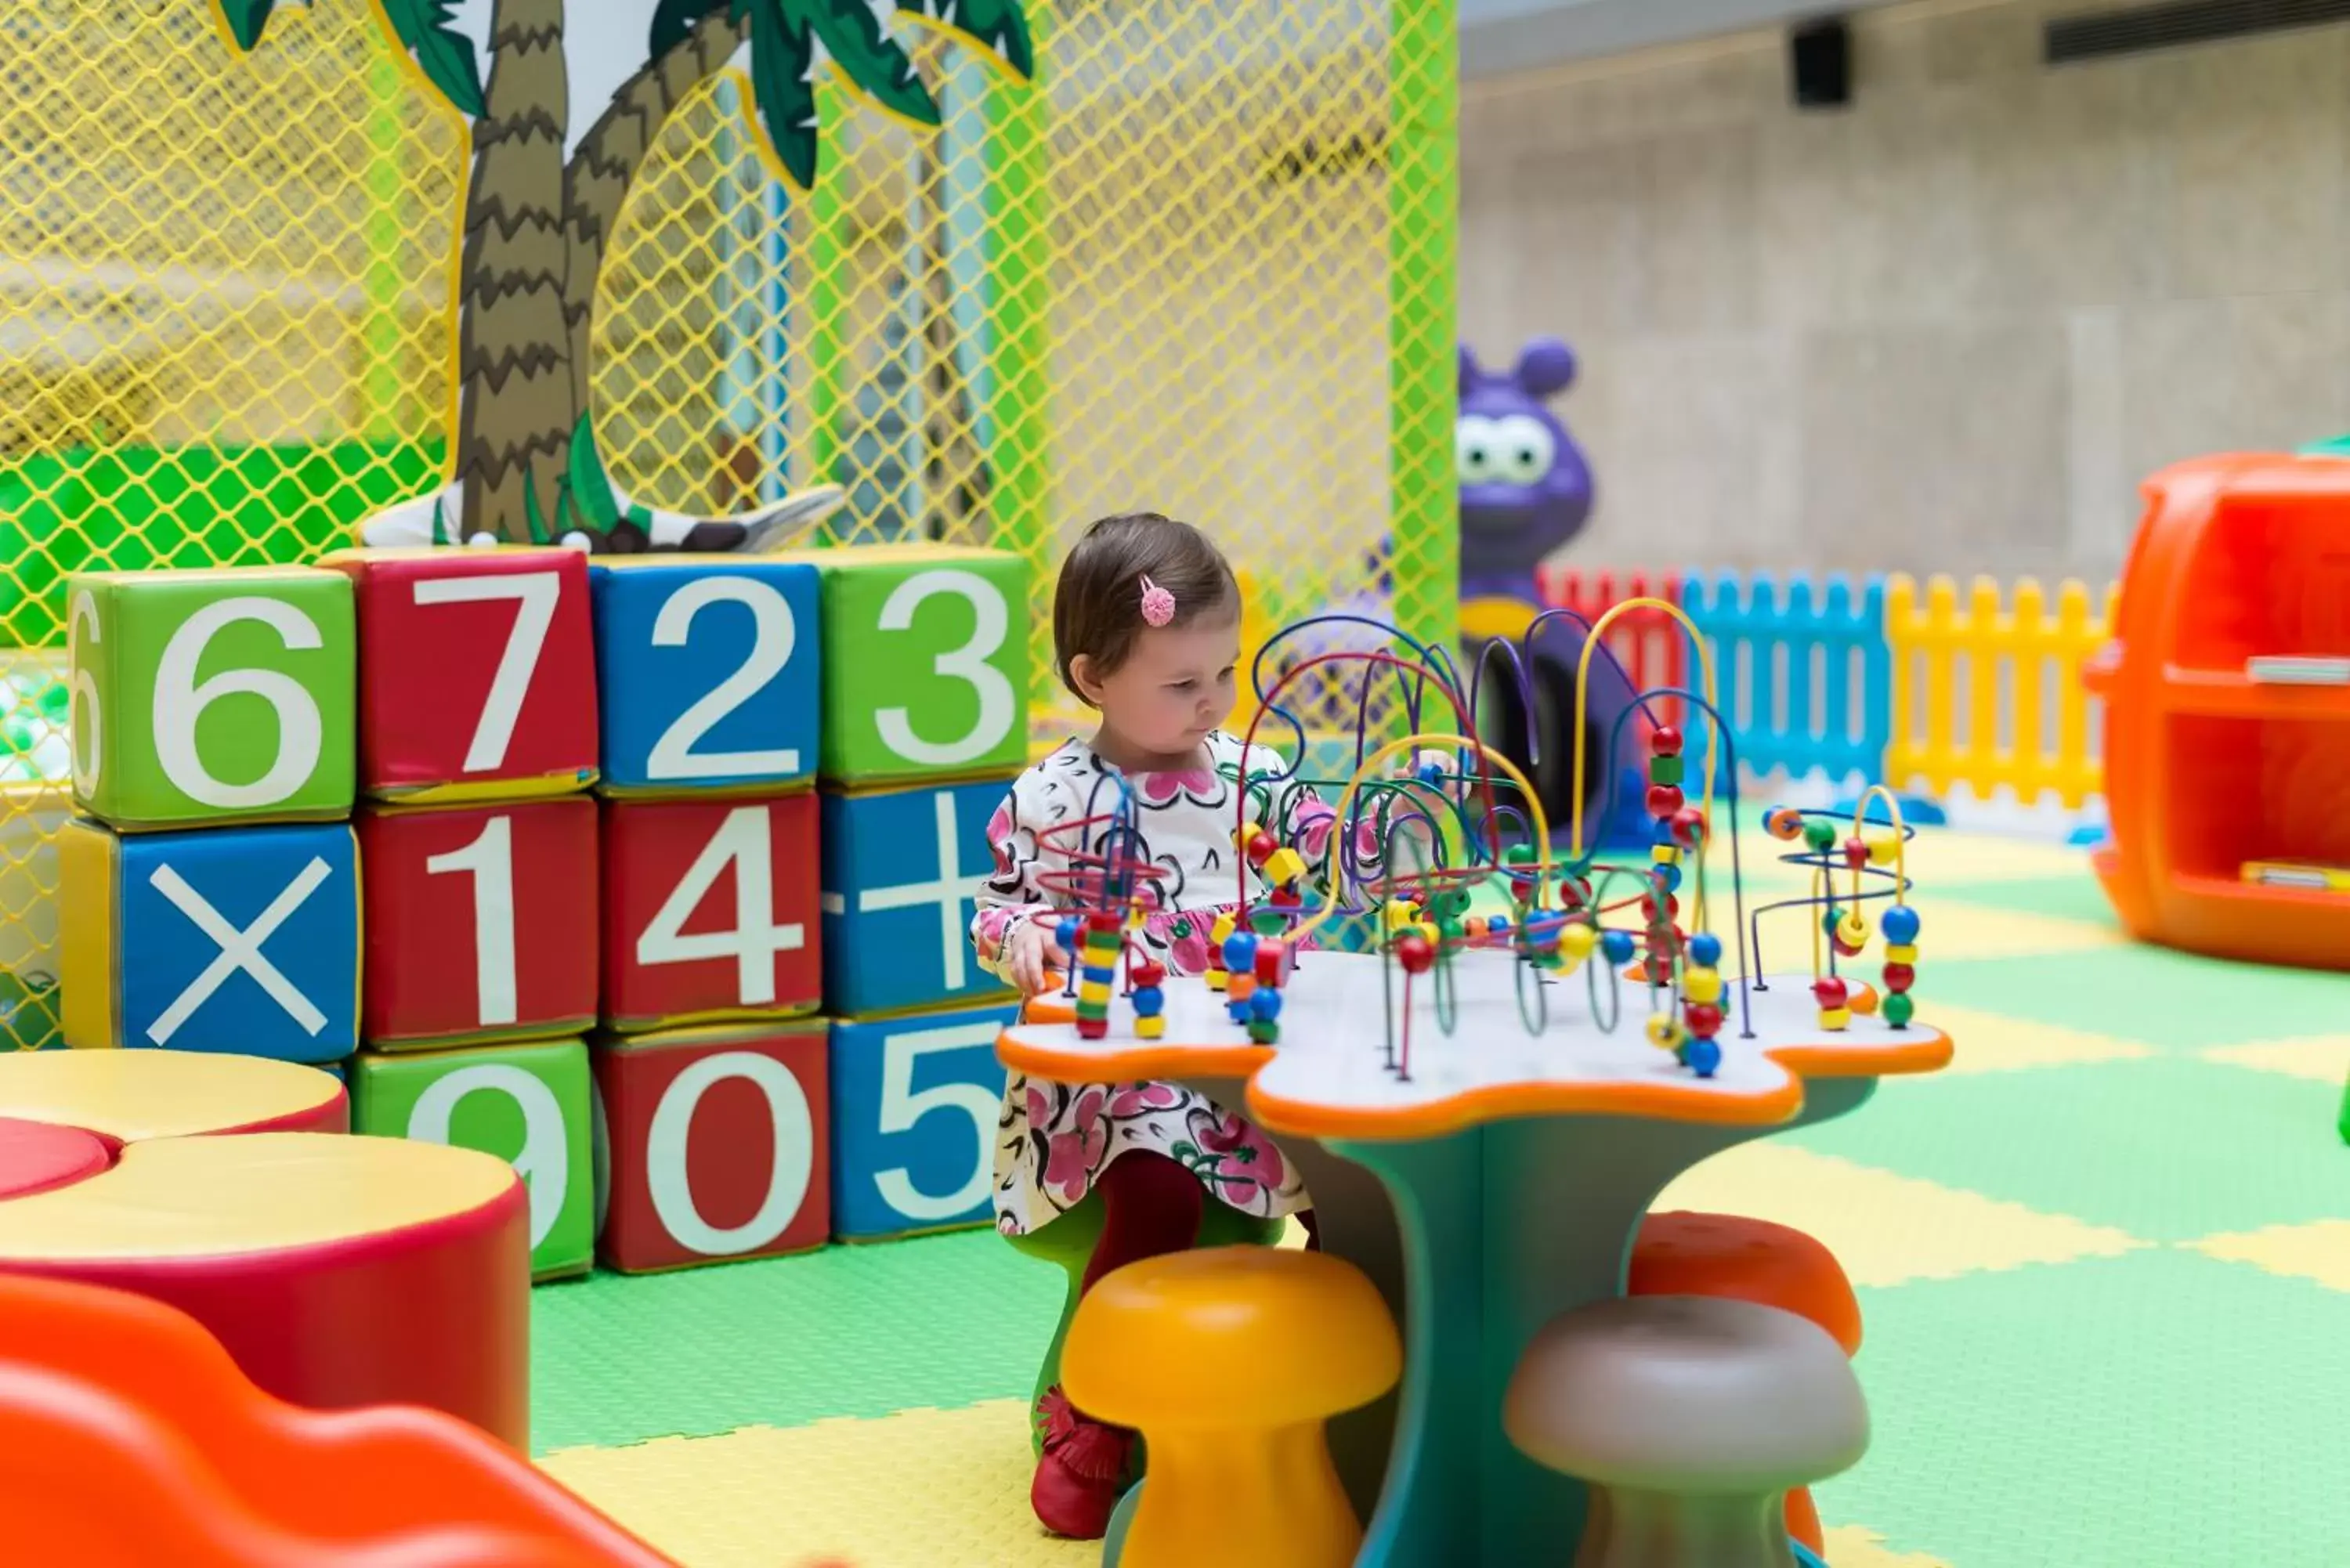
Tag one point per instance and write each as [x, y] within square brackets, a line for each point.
[204, 697]
[925, 663]
[526, 1103]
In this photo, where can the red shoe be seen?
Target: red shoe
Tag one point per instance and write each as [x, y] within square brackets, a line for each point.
[1081, 1474]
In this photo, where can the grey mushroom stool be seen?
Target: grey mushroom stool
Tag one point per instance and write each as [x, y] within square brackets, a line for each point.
[1690, 1418]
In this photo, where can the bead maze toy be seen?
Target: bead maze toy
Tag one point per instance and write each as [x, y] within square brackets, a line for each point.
[1446, 1010]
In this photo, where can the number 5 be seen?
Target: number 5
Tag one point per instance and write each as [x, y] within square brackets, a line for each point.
[901, 1108]
[534, 595]
[967, 664]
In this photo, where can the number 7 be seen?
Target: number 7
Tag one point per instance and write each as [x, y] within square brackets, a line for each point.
[534, 595]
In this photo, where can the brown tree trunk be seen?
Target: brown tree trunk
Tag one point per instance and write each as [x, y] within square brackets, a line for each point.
[516, 409]
[596, 185]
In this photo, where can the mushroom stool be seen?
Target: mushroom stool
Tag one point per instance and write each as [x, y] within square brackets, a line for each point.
[1228, 1362]
[1690, 1418]
[1735, 1258]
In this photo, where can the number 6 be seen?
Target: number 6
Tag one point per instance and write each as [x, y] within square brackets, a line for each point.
[968, 664]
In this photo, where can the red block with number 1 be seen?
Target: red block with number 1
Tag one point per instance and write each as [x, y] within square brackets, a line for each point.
[710, 910]
[480, 922]
[477, 672]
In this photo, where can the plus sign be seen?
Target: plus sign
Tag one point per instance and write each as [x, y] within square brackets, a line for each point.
[950, 893]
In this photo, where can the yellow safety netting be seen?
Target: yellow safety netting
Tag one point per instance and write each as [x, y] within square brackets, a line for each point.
[1204, 265]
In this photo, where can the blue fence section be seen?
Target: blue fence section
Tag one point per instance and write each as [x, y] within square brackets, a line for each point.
[1804, 671]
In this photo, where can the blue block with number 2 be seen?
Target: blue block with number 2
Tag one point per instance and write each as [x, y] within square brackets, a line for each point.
[709, 672]
[914, 1108]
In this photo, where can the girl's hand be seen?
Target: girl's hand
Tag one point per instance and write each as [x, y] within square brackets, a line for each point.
[1025, 953]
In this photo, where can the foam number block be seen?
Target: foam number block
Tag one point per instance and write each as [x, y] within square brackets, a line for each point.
[211, 696]
[899, 869]
[925, 661]
[477, 672]
[480, 922]
[708, 668]
[528, 1105]
[715, 1145]
[238, 940]
[710, 910]
[914, 1108]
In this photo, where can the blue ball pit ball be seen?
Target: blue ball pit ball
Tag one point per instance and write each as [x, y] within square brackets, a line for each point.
[1900, 925]
[1616, 945]
[1705, 950]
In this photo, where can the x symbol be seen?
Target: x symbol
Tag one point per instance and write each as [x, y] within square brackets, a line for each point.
[238, 950]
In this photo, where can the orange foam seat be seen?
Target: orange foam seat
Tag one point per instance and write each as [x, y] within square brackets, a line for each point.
[1732, 1257]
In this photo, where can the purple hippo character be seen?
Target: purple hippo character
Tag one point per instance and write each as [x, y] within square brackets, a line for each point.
[1525, 491]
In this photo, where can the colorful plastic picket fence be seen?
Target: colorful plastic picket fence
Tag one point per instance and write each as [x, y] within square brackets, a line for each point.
[1924, 687]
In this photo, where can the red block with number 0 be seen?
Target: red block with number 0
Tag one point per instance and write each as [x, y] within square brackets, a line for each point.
[480, 922]
[710, 910]
[477, 672]
[718, 1144]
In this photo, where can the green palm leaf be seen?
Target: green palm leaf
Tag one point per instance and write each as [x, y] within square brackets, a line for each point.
[998, 27]
[783, 83]
[876, 65]
[245, 19]
[446, 54]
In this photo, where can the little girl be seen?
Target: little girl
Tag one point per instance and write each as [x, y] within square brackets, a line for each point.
[1145, 630]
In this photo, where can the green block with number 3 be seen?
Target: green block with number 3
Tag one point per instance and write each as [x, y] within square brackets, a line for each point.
[529, 1105]
[205, 696]
[925, 663]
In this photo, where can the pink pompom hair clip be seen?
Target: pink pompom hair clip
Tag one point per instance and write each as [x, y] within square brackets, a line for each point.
[1158, 604]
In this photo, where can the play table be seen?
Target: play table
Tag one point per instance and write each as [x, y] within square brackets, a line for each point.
[1495, 1182]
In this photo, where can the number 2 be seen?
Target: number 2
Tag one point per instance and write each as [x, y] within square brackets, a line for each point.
[489, 860]
[534, 595]
[902, 1108]
[743, 840]
[967, 664]
[773, 637]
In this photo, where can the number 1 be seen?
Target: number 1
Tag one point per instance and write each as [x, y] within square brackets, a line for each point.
[489, 859]
[534, 595]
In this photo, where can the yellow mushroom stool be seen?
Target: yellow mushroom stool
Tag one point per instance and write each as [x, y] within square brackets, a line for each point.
[1228, 1362]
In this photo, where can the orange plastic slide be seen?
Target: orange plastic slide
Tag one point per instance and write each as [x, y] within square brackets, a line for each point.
[132, 1440]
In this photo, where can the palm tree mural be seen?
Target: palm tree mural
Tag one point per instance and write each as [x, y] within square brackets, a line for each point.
[545, 196]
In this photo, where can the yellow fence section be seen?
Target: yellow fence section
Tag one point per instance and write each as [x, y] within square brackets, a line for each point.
[1987, 691]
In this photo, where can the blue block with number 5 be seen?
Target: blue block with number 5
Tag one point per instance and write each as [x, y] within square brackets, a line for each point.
[241, 940]
[708, 670]
[914, 1108]
[901, 871]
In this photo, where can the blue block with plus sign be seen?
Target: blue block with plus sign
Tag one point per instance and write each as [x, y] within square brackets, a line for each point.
[902, 870]
[240, 939]
[915, 1101]
[707, 669]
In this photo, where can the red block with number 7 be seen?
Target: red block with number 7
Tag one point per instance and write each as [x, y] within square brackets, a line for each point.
[710, 910]
[480, 922]
[477, 672]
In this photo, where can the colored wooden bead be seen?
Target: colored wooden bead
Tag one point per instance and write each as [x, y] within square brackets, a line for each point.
[1665, 770]
[1664, 1031]
[1148, 973]
[1286, 897]
[1703, 1019]
[1154, 1027]
[1272, 958]
[1783, 822]
[1665, 741]
[1617, 946]
[1148, 1000]
[1819, 833]
[1881, 849]
[1856, 854]
[1901, 952]
[1900, 1009]
[1575, 940]
[1664, 800]
[1852, 932]
[1239, 952]
[1415, 952]
[1702, 983]
[1688, 826]
[1672, 908]
[1265, 1003]
[1899, 977]
[1899, 925]
[1283, 866]
[1264, 1032]
[1705, 948]
[1835, 1018]
[1473, 927]
[1830, 991]
[1668, 877]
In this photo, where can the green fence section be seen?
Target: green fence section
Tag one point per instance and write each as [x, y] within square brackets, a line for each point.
[135, 507]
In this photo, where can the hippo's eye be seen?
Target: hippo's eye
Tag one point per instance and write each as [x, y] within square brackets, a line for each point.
[1522, 449]
[1477, 449]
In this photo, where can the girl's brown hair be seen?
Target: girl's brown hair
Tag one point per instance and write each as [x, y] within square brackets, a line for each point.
[1098, 603]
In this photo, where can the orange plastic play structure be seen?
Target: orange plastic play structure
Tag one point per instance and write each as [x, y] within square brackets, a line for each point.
[132, 1440]
[2227, 712]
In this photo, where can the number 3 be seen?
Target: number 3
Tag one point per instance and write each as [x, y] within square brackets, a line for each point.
[968, 664]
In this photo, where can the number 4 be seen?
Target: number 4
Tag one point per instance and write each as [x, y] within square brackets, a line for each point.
[534, 595]
[743, 840]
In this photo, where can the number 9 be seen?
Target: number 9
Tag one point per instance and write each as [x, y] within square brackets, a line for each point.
[968, 664]
[88, 755]
[544, 1162]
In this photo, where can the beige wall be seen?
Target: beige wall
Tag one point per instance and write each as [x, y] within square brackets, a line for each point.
[1946, 329]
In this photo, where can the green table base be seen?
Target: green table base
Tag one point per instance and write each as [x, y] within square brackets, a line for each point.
[1476, 1240]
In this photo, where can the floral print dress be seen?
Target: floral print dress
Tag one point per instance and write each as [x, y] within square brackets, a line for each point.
[1054, 1140]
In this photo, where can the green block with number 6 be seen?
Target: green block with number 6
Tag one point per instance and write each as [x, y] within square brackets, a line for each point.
[925, 663]
[205, 696]
[525, 1104]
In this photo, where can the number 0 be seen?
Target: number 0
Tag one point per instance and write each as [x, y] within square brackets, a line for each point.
[967, 664]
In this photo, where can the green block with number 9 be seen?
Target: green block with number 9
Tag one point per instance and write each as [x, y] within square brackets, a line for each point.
[205, 696]
[525, 1104]
[925, 663]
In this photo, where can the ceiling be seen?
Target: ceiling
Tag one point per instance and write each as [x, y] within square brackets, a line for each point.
[1501, 36]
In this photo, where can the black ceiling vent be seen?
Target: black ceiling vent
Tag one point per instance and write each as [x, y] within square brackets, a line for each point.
[2102, 34]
